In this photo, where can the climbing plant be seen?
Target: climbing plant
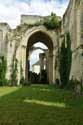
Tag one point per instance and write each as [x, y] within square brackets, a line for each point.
[22, 80]
[43, 77]
[3, 68]
[65, 60]
[14, 79]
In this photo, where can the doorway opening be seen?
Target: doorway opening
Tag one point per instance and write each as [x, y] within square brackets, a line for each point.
[41, 70]
[38, 64]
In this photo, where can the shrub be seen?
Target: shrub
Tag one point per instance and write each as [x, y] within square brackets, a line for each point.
[71, 85]
[52, 22]
[22, 80]
[34, 77]
[43, 77]
[65, 60]
[3, 68]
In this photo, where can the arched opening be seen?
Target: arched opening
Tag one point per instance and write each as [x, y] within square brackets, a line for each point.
[38, 64]
[36, 50]
[44, 38]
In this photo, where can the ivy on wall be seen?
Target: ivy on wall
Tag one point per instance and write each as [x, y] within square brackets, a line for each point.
[3, 69]
[22, 80]
[14, 79]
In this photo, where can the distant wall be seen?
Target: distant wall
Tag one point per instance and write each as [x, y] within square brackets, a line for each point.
[28, 19]
[36, 69]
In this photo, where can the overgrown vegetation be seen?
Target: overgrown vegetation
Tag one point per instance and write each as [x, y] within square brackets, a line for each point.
[14, 71]
[52, 22]
[33, 77]
[22, 80]
[65, 60]
[38, 78]
[43, 77]
[3, 68]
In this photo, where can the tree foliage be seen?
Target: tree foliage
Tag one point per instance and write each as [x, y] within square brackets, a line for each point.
[65, 60]
[14, 79]
[3, 68]
[52, 22]
[44, 77]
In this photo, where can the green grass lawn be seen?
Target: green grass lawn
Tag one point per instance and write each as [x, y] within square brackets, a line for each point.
[40, 105]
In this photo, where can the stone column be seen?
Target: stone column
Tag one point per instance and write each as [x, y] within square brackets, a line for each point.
[27, 75]
[81, 24]
[10, 53]
[78, 15]
[23, 60]
[54, 65]
[50, 67]
[81, 37]
[47, 64]
[27, 69]
[18, 55]
[1, 40]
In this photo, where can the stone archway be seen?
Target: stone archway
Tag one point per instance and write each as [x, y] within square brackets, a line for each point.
[30, 37]
[40, 67]
[45, 39]
[15, 42]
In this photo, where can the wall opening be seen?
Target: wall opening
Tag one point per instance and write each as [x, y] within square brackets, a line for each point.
[45, 57]
[38, 64]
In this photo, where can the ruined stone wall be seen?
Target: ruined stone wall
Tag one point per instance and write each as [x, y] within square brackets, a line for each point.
[30, 19]
[69, 22]
[73, 23]
[4, 28]
[81, 22]
[13, 42]
[17, 45]
[1, 39]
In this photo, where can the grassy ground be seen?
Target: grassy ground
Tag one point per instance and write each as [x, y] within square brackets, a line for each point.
[40, 105]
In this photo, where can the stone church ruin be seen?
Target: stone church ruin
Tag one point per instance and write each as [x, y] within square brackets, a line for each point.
[15, 44]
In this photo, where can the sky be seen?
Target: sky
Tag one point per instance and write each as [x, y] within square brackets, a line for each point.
[35, 55]
[11, 10]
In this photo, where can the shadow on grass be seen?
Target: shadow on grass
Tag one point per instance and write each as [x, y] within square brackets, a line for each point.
[40, 105]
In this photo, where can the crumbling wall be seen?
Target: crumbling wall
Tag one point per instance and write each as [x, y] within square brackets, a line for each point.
[30, 19]
[4, 28]
[73, 23]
